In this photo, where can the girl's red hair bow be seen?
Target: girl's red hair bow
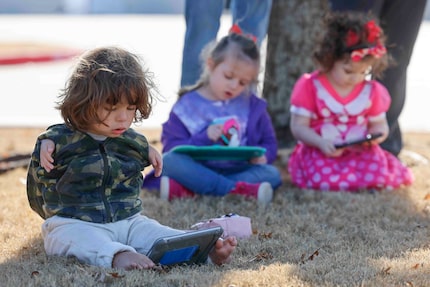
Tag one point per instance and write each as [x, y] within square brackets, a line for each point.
[235, 29]
[373, 31]
[373, 46]
[352, 38]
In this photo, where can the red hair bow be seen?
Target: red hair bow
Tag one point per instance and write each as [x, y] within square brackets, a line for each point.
[235, 29]
[352, 38]
[373, 31]
[373, 46]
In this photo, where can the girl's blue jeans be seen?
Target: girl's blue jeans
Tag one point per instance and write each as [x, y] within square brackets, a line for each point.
[202, 179]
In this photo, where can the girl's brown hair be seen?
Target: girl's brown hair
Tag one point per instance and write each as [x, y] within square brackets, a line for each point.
[105, 76]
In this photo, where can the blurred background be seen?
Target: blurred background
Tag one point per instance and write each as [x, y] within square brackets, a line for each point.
[102, 7]
[40, 39]
[46, 35]
[92, 6]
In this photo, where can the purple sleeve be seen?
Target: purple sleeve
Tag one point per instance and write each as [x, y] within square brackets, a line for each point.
[260, 129]
[175, 133]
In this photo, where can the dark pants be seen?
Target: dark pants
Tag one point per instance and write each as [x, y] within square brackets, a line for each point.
[400, 20]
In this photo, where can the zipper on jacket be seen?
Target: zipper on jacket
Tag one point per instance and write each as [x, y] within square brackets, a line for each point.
[106, 175]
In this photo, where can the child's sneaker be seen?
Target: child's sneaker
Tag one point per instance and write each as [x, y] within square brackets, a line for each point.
[170, 189]
[263, 192]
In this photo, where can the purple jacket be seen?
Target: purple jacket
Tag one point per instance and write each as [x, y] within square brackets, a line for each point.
[259, 131]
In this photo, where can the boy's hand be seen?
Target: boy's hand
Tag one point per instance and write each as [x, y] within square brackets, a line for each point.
[47, 147]
[156, 161]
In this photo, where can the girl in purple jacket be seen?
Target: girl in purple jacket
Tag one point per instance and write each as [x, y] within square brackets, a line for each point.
[221, 108]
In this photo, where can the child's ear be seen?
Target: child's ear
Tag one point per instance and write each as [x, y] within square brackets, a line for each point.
[210, 63]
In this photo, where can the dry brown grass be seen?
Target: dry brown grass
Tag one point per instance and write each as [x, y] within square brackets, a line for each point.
[303, 238]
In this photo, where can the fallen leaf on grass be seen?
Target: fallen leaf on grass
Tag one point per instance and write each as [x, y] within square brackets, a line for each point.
[161, 268]
[107, 277]
[386, 271]
[116, 275]
[262, 256]
[35, 273]
[303, 259]
[265, 235]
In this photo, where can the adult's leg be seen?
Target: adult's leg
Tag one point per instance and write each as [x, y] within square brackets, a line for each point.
[202, 20]
[252, 16]
[357, 5]
[401, 36]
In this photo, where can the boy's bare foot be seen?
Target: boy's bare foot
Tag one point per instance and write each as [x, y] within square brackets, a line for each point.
[223, 249]
[131, 260]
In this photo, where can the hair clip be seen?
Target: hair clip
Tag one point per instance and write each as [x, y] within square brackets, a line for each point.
[235, 29]
[376, 51]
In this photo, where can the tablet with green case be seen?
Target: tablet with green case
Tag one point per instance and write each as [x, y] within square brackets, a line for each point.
[219, 152]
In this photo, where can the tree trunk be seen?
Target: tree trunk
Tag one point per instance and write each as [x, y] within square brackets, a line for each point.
[293, 29]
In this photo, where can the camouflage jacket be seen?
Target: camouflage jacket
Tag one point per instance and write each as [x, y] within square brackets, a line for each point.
[92, 181]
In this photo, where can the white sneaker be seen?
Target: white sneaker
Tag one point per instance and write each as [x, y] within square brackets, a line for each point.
[170, 189]
[265, 193]
[164, 188]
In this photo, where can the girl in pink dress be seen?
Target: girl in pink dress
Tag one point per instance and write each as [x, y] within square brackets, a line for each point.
[338, 103]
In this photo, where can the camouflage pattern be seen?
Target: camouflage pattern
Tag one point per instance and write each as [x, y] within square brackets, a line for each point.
[92, 181]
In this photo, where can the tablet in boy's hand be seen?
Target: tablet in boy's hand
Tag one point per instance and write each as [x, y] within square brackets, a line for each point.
[186, 248]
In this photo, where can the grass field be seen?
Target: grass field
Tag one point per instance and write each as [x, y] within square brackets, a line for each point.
[303, 238]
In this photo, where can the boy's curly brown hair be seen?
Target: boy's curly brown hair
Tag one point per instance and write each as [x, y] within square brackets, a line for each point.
[104, 76]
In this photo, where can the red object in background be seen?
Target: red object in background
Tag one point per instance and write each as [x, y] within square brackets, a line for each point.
[21, 53]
